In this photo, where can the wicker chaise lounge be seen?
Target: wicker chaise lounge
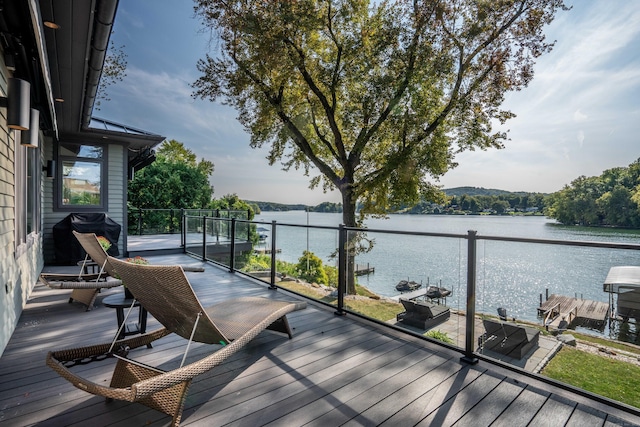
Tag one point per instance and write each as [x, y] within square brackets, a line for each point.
[85, 286]
[167, 295]
[422, 314]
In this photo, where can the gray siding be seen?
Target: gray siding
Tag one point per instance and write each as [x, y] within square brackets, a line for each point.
[19, 266]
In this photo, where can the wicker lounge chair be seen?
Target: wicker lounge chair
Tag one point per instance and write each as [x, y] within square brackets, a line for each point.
[422, 314]
[508, 339]
[167, 294]
[85, 286]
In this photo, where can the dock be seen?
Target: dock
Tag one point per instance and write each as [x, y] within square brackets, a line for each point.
[575, 311]
[422, 292]
[265, 251]
[364, 269]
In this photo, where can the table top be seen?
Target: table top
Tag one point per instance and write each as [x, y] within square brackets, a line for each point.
[118, 301]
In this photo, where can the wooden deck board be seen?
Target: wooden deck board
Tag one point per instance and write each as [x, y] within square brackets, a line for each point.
[336, 370]
[555, 411]
[492, 405]
[583, 416]
[454, 408]
[349, 397]
[432, 372]
[522, 410]
[433, 398]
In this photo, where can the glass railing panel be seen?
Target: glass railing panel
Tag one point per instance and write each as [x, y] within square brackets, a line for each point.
[557, 319]
[193, 235]
[254, 257]
[169, 221]
[245, 240]
[218, 247]
[434, 288]
[154, 221]
[306, 261]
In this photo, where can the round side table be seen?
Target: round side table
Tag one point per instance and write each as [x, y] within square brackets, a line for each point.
[120, 303]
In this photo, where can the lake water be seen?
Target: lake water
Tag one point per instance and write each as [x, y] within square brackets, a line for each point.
[509, 275]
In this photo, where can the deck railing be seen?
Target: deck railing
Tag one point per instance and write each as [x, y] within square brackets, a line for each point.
[474, 264]
[169, 221]
[229, 241]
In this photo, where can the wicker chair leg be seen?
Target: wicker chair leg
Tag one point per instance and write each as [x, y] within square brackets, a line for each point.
[169, 400]
[281, 325]
[84, 296]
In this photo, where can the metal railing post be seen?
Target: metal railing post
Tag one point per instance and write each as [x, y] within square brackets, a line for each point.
[183, 229]
[233, 246]
[183, 232]
[273, 256]
[469, 345]
[204, 238]
[342, 262]
[139, 222]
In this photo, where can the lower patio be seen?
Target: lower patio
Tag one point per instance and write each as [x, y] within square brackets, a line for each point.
[337, 370]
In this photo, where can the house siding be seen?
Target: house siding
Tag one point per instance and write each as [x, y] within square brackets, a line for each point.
[19, 266]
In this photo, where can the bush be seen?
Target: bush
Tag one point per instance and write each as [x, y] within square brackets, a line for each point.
[310, 269]
[258, 263]
[439, 335]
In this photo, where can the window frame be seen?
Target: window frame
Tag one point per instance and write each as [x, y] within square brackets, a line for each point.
[27, 178]
[58, 187]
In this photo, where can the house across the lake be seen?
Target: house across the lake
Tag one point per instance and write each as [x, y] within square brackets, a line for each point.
[55, 158]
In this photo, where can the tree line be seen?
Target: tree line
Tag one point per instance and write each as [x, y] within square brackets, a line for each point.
[506, 203]
[611, 199]
[326, 207]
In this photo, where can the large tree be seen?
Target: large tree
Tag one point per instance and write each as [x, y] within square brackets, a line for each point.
[174, 181]
[377, 96]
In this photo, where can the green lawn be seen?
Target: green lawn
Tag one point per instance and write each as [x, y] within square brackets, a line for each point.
[597, 374]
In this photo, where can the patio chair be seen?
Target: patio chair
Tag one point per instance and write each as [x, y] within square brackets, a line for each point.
[167, 294]
[85, 286]
[422, 314]
[507, 338]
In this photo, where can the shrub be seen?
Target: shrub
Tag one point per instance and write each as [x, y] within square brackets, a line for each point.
[439, 335]
[310, 269]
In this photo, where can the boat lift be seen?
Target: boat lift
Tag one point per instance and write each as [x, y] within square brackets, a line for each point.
[625, 282]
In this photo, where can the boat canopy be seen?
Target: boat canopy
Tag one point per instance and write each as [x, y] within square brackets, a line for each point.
[622, 279]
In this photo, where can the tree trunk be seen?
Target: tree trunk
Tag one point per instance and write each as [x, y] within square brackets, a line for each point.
[349, 220]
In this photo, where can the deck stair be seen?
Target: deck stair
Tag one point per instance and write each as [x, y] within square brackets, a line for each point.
[575, 311]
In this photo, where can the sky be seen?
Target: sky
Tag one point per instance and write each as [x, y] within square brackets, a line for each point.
[579, 116]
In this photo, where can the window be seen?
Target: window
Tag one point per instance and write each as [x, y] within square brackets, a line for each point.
[27, 193]
[82, 183]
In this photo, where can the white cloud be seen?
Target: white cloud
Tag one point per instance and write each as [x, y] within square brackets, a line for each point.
[578, 116]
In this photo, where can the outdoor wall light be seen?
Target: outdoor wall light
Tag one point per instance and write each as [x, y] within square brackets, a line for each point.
[50, 168]
[30, 137]
[51, 24]
[18, 103]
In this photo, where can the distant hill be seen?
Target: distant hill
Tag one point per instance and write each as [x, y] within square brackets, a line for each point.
[275, 207]
[337, 207]
[480, 191]
[280, 207]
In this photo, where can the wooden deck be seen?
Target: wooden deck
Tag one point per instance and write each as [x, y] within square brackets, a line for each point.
[335, 371]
